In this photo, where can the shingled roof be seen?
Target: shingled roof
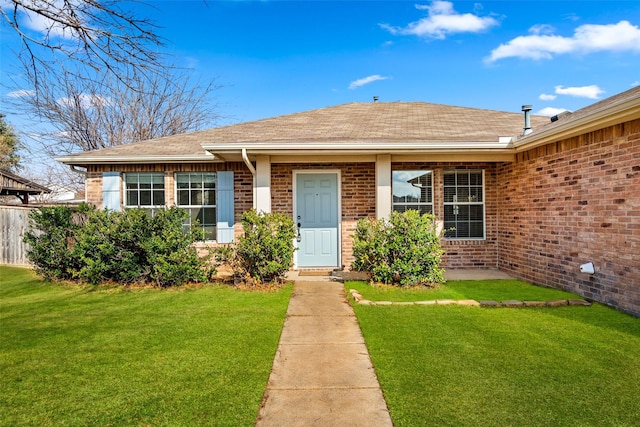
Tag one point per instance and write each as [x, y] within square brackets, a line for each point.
[356, 124]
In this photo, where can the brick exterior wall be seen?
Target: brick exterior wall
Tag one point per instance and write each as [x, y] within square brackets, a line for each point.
[571, 202]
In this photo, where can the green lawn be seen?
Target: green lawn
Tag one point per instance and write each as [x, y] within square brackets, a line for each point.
[83, 356]
[498, 290]
[472, 366]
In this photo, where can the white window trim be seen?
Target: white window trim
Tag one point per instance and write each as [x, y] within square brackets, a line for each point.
[125, 192]
[483, 203]
[175, 197]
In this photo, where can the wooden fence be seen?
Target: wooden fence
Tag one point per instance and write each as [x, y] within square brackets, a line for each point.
[14, 222]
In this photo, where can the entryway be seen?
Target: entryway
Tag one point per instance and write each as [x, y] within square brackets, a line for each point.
[316, 214]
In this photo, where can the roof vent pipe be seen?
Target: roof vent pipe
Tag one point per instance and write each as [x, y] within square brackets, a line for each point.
[527, 119]
[375, 99]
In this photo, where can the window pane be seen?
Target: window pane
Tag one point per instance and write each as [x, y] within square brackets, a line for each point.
[209, 197]
[209, 180]
[449, 179]
[195, 215]
[158, 197]
[158, 180]
[462, 178]
[475, 178]
[183, 197]
[449, 193]
[209, 216]
[210, 233]
[412, 190]
[196, 197]
[132, 198]
[476, 229]
[476, 212]
[145, 198]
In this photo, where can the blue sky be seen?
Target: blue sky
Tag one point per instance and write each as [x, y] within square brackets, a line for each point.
[279, 57]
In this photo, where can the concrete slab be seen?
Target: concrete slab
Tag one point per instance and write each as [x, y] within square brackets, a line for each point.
[319, 305]
[321, 330]
[325, 408]
[322, 366]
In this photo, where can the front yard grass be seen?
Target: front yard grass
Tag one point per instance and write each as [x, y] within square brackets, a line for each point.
[93, 356]
[472, 366]
[499, 290]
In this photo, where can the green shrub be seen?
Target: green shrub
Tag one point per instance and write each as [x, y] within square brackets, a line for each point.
[265, 251]
[124, 247]
[51, 238]
[404, 249]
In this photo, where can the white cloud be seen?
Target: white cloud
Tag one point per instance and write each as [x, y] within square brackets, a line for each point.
[41, 24]
[366, 80]
[442, 20]
[550, 111]
[20, 93]
[86, 101]
[591, 92]
[547, 97]
[636, 83]
[586, 39]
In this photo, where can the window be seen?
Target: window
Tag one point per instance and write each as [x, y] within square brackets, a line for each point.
[464, 204]
[412, 190]
[196, 193]
[144, 190]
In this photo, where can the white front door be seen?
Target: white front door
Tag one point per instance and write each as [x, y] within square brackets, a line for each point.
[316, 215]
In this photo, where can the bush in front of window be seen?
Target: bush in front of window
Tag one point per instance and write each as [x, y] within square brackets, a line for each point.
[264, 254]
[95, 246]
[405, 249]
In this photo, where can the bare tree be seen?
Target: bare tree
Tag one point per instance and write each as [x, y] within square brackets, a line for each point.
[81, 37]
[88, 115]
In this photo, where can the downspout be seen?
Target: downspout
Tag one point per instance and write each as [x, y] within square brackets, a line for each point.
[76, 170]
[84, 174]
[248, 162]
[254, 173]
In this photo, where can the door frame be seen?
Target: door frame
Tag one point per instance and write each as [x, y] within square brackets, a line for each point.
[338, 174]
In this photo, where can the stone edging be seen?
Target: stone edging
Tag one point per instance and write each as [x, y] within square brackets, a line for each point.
[473, 303]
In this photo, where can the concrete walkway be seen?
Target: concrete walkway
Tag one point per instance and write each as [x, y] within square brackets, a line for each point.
[322, 374]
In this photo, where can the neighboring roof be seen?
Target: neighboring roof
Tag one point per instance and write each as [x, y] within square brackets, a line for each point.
[15, 185]
[357, 125]
[619, 108]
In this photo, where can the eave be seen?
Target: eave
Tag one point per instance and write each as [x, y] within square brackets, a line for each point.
[79, 159]
[571, 127]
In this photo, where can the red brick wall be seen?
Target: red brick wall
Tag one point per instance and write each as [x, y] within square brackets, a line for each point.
[572, 202]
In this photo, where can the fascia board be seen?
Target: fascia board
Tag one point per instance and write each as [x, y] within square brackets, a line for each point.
[93, 160]
[620, 113]
[355, 147]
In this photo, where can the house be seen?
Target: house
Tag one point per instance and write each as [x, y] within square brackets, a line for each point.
[532, 196]
[20, 187]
